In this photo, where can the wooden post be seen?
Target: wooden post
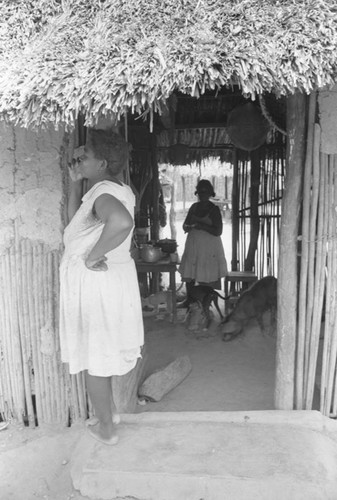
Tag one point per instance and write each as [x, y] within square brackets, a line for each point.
[254, 210]
[155, 189]
[173, 210]
[287, 274]
[235, 212]
[183, 183]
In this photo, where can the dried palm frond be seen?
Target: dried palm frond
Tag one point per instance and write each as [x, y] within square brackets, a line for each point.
[105, 57]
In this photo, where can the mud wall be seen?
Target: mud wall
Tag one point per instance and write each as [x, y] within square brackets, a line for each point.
[32, 185]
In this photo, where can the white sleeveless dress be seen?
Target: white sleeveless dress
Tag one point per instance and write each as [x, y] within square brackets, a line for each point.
[101, 325]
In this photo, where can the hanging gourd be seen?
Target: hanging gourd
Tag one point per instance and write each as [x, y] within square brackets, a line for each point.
[247, 127]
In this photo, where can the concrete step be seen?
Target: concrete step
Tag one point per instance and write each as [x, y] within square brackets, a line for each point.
[263, 455]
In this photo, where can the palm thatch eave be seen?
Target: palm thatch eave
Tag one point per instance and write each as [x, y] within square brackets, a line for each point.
[117, 56]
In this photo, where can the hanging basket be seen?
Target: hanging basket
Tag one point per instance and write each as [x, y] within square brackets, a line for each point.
[247, 127]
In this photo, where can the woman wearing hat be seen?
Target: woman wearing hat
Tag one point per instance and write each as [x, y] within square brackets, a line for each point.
[203, 260]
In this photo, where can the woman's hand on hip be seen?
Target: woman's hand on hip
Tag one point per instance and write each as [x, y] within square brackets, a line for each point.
[96, 264]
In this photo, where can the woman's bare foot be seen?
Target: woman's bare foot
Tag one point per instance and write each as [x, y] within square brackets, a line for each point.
[104, 433]
[116, 418]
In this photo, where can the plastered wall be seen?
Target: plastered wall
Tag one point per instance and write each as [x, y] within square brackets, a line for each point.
[32, 185]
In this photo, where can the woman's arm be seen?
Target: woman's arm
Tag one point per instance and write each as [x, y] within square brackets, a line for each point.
[216, 227]
[187, 225]
[117, 225]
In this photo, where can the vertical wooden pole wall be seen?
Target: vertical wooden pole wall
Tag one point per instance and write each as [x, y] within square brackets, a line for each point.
[36, 386]
[304, 269]
[288, 272]
[328, 386]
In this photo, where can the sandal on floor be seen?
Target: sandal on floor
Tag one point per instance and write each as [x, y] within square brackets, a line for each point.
[3, 425]
[116, 419]
[110, 442]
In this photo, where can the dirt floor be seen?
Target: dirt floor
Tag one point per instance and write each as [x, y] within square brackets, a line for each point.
[227, 376]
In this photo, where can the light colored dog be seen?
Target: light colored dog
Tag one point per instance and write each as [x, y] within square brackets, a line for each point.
[156, 300]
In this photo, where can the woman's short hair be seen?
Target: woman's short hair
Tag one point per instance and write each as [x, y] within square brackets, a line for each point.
[111, 147]
[206, 186]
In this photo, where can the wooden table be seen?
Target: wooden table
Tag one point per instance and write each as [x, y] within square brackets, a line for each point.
[162, 266]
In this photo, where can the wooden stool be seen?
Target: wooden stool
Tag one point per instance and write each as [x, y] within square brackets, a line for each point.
[245, 277]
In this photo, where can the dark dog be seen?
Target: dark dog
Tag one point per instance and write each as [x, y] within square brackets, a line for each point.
[253, 303]
[204, 296]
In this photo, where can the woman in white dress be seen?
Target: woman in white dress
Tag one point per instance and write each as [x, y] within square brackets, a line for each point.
[101, 326]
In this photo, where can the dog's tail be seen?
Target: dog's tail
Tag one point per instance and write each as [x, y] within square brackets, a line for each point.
[221, 297]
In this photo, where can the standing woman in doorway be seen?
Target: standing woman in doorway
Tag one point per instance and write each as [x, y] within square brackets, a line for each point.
[203, 260]
[101, 327]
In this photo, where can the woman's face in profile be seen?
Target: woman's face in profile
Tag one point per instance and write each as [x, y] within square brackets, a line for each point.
[88, 165]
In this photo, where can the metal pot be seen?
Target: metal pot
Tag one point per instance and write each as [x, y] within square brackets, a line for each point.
[167, 245]
[149, 253]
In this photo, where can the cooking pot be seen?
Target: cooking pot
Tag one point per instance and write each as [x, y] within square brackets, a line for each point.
[167, 245]
[150, 253]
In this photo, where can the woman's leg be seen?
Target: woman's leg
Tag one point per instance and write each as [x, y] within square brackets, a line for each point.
[100, 393]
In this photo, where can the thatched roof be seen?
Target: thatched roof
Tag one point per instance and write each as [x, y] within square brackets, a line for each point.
[110, 56]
